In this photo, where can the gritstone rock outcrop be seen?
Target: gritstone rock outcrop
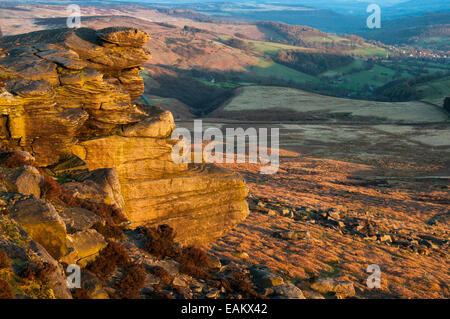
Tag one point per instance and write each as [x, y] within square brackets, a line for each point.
[70, 92]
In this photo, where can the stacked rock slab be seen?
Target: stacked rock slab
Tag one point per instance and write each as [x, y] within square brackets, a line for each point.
[71, 91]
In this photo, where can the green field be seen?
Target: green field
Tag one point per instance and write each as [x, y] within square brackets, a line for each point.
[357, 64]
[269, 69]
[273, 48]
[377, 76]
[270, 48]
[434, 42]
[362, 78]
[369, 51]
[259, 99]
[435, 91]
[357, 80]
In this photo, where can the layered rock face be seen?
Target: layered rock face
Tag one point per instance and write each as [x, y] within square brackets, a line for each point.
[64, 84]
[70, 92]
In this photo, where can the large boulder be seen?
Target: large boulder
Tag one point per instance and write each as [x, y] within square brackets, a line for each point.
[288, 291]
[79, 219]
[21, 250]
[264, 278]
[71, 92]
[61, 79]
[160, 124]
[201, 202]
[87, 190]
[124, 36]
[41, 221]
[342, 289]
[25, 180]
[106, 180]
[84, 246]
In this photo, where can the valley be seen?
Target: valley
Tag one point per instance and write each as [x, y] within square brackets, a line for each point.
[216, 56]
[86, 124]
[285, 104]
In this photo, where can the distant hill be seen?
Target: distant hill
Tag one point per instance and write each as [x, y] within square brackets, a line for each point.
[329, 16]
[197, 64]
[416, 7]
[322, 19]
[390, 8]
[188, 14]
[430, 30]
[290, 34]
[307, 37]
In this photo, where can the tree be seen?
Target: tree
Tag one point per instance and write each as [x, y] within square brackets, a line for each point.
[447, 104]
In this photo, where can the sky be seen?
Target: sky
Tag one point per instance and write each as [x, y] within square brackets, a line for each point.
[408, 6]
